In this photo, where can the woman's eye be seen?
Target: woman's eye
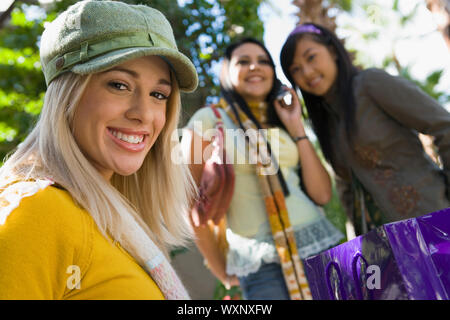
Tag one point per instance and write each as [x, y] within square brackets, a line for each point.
[243, 62]
[264, 62]
[311, 57]
[159, 95]
[118, 85]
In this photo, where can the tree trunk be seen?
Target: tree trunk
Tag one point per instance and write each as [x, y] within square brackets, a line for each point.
[441, 12]
[5, 15]
[316, 12]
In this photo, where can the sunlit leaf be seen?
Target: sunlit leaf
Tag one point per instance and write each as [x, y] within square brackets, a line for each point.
[434, 77]
[7, 133]
[395, 5]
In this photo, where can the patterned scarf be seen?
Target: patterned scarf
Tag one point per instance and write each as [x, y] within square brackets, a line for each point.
[260, 111]
[277, 213]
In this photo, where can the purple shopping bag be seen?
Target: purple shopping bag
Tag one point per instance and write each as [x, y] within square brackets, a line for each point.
[409, 259]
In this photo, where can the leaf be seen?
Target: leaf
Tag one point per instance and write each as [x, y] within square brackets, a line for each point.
[346, 5]
[395, 6]
[434, 77]
[18, 18]
[7, 133]
[406, 18]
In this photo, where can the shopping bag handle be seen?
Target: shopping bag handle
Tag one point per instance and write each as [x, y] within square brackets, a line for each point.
[340, 285]
[356, 278]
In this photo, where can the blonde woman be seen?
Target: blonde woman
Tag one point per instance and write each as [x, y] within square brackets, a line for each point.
[90, 201]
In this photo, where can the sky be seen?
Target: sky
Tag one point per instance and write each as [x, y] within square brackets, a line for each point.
[418, 44]
[279, 21]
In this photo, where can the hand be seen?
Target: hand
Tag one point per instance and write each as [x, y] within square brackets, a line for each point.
[291, 116]
[230, 281]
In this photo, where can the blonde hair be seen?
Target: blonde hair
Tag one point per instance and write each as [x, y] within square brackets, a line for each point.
[157, 196]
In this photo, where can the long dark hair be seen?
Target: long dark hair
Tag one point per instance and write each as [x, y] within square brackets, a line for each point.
[316, 105]
[232, 97]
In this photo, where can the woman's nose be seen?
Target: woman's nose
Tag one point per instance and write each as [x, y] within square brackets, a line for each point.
[307, 70]
[139, 109]
[253, 65]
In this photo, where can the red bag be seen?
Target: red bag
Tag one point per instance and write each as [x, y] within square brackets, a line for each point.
[217, 182]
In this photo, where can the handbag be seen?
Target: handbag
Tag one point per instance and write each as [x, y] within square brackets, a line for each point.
[404, 260]
[217, 181]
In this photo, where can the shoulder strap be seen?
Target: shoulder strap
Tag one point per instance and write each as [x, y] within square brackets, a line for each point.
[219, 124]
[216, 112]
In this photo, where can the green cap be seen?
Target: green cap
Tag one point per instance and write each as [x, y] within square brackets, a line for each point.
[93, 36]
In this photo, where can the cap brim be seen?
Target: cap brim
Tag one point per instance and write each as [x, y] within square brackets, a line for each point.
[183, 68]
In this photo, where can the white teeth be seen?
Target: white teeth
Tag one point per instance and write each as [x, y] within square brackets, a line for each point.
[314, 82]
[254, 78]
[127, 138]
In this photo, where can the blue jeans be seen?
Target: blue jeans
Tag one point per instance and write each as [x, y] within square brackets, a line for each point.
[265, 284]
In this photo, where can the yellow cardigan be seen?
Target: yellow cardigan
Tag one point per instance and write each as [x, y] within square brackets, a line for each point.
[47, 243]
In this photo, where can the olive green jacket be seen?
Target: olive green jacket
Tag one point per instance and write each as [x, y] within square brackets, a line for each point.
[387, 156]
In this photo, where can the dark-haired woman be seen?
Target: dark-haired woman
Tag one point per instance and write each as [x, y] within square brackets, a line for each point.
[271, 222]
[367, 123]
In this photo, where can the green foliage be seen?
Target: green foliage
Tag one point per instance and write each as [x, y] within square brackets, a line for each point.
[22, 84]
[243, 13]
[346, 5]
[335, 212]
[220, 293]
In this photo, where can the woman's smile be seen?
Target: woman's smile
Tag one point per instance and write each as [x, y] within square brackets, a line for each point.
[315, 82]
[254, 79]
[130, 141]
